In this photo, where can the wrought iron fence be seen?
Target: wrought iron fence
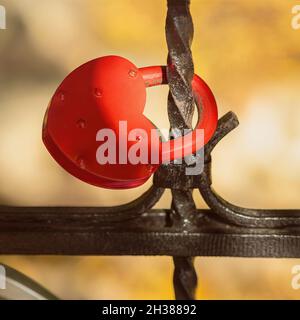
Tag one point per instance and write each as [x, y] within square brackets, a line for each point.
[183, 231]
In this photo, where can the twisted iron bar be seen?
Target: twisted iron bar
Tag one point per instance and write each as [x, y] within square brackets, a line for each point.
[180, 72]
[185, 278]
[180, 69]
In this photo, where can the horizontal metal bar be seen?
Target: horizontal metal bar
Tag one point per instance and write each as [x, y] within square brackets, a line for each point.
[81, 231]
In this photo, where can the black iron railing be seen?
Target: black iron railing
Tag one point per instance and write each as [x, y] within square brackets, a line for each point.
[182, 231]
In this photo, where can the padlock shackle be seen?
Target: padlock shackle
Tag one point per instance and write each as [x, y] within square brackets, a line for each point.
[154, 75]
[207, 108]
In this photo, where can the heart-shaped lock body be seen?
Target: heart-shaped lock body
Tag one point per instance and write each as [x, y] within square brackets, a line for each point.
[99, 106]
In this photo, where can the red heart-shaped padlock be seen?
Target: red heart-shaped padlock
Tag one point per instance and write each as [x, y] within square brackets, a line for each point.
[97, 106]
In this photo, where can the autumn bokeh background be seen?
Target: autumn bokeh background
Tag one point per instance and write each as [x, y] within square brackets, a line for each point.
[248, 53]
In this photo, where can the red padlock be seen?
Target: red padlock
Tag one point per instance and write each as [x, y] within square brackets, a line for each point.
[109, 93]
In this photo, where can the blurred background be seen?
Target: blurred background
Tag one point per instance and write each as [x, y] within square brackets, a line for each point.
[248, 53]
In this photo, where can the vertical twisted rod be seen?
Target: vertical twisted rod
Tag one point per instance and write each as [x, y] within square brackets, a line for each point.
[180, 69]
[180, 72]
[185, 278]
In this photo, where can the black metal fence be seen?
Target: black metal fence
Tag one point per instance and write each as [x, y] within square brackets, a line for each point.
[183, 231]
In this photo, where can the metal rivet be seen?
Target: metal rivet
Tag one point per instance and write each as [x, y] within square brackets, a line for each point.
[81, 123]
[132, 73]
[61, 96]
[97, 93]
[80, 161]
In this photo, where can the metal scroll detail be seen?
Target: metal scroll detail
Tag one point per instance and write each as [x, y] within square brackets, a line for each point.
[132, 209]
[232, 214]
